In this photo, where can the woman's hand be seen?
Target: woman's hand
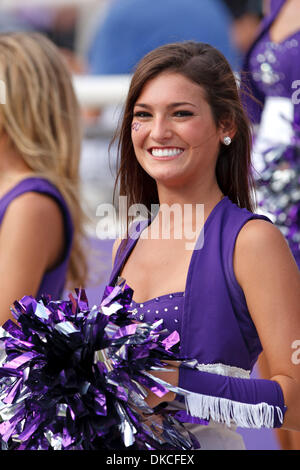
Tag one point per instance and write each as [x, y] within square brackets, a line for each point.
[171, 377]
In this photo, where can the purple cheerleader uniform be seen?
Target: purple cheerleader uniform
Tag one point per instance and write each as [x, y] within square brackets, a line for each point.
[53, 281]
[216, 329]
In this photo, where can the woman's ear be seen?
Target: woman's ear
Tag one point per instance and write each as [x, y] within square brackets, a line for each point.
[228, 128]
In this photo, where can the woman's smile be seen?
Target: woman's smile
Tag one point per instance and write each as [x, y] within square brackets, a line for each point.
[165, 153]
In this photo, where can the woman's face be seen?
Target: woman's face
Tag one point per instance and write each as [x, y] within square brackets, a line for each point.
[173, 131]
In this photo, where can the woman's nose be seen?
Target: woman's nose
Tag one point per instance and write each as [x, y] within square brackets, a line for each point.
[161, 129]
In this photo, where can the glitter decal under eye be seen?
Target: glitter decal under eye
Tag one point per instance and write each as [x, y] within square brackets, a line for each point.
[136, 126]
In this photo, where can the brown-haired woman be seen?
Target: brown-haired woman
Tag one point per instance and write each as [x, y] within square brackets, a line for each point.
[184, 143]
[40, 214]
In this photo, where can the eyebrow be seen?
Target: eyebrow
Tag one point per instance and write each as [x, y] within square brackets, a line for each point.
[172, 105]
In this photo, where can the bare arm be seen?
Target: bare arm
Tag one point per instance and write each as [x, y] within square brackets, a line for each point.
[270, 279]
[31, 242]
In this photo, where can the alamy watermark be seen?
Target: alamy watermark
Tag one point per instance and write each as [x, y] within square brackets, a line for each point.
[175, 222]
[296, 354]
[2, 92]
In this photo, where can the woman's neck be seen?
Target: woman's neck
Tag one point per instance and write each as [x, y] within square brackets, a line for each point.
[207, 193]
[181, 206]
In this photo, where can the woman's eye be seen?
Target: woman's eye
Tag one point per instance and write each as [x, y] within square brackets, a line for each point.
[141, 114]
[183, 113]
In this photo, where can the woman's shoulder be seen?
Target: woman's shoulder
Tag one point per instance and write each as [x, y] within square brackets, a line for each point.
[33, 223]
[35, 197]
[259, 233]
[261, 247]
[250, 233]
[235, 217]
[34, 208]
[32, 184]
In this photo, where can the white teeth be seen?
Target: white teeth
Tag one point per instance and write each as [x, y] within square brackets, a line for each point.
[165, 152]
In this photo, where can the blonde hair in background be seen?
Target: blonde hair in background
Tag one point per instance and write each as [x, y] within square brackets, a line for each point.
[41, 117]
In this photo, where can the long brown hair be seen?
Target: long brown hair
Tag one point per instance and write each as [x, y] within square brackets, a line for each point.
[207, 67]
[41, 117]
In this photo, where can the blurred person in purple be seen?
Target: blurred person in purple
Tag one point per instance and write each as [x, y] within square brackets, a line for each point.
[247, 15]
[57, 23]
[271, 74]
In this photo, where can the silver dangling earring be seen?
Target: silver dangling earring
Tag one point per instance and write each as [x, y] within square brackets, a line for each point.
[227, 140]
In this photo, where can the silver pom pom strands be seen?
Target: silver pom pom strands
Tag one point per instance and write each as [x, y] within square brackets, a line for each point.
[278, 189]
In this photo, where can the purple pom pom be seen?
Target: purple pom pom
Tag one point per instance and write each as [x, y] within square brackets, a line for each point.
[73, 377]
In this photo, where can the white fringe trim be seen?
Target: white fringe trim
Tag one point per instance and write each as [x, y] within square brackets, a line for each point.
[231, 412]
[224, 410]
